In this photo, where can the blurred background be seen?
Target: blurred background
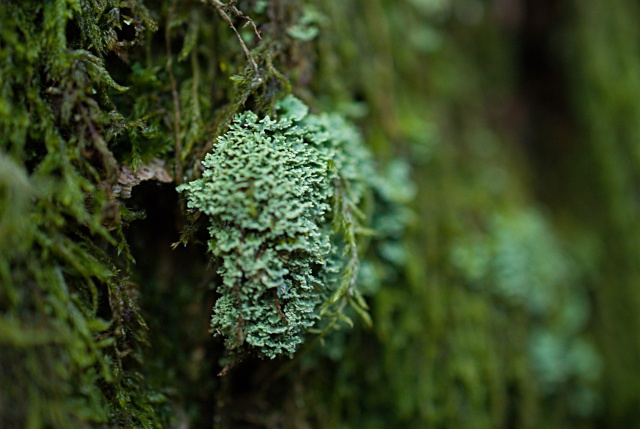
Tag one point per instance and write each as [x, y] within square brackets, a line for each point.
[516, 306]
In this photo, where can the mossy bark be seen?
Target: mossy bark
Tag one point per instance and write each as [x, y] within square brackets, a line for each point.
[502, 278]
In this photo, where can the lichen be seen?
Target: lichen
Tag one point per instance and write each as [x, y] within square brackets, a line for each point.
[282, 196]
[521, 262]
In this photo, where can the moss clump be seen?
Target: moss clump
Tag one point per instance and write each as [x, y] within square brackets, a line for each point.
[282, 196]
[71, 336]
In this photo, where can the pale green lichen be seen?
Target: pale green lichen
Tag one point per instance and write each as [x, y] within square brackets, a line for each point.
[520, 261]
[282, 197]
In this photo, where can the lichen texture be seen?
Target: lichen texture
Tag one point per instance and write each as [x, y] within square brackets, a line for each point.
[282, 195]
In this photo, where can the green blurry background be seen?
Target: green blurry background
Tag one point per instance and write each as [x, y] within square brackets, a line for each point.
[503, 286]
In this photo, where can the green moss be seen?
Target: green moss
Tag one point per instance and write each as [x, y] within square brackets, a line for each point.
[601, 177]
[70, 330]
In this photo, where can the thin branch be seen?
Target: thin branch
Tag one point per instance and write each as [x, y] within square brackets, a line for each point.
[220, 7]
[108, 159]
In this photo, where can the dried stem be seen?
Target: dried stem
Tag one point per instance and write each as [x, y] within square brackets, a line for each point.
[220, 8]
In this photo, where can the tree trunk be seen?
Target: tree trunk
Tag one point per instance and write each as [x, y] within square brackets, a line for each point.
[458, 246]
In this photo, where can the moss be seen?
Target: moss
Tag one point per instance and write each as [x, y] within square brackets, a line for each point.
[70, 330]
[601, 177]
[483, 342]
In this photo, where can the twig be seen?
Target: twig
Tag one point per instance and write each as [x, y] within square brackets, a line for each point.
[107, 156]
[230, 365]
[220, 7]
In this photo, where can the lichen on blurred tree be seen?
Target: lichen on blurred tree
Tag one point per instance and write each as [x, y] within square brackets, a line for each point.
[283, 195]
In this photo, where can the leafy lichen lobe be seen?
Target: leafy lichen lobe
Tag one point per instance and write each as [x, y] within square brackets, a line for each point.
[269, 188]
